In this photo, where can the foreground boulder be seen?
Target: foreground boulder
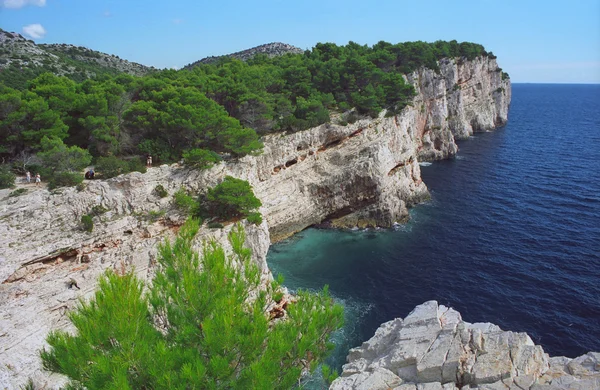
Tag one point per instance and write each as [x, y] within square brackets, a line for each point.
[434, 349]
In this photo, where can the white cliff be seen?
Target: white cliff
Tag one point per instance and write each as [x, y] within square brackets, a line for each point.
[362, 174]
[433, 348]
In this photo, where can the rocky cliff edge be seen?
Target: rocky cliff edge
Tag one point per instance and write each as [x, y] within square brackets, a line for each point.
[363, 174]
[434, 349]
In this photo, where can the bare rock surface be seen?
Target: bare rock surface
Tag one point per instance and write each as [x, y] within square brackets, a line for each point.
[363, 174]
[433, 348]
[273, 49]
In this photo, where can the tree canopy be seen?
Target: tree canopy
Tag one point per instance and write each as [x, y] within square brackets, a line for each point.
[231, 198]
[221, 107]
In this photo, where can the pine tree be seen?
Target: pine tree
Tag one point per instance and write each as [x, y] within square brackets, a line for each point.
[202, 325]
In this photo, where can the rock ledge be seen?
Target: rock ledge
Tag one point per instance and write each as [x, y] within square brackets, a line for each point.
[434, 349]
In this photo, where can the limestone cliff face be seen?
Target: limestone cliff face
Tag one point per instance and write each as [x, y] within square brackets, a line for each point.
[363, 174]
[463, 98]
[367, 173]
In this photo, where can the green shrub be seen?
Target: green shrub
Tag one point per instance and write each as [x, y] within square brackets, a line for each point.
[111, 166]
[352, 117]
[232, 198]
[254, 218]
[59, 157]
[161, 191]
[136, 165]
[87, 222]
[329, 374]
[158, 149]
[7, 177]
[17, 192]
[215, 225]
[211, 335]
[277, 296]
[98, 210]
[201, 158]
[185, 202]
[65, 179]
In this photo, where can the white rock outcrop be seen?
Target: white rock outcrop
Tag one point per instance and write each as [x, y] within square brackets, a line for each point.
[362, 174]
[433, 348]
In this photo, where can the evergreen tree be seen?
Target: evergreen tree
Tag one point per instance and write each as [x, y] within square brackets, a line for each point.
[201, 326]
[232, 198]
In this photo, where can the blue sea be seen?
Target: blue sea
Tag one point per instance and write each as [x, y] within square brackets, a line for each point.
[510, 236]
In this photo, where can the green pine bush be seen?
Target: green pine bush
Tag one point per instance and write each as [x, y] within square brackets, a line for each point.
[161, 191]
[136, 165]
[201, 158]
[111, 166]
[87, 222]
[65, 179]
[7, 177]
[201, 325]
[232, 198]
[185, 202]
[254, 218]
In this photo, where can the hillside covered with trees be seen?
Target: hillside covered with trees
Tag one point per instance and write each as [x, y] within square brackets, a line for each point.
[222, 108]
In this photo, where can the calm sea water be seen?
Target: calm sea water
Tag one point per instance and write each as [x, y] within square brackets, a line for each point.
[511, 235]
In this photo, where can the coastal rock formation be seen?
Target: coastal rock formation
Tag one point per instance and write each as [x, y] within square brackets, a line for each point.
[363, 174]
[433, 348]
[463, 98]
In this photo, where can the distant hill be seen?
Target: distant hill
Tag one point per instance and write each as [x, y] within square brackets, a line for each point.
[270, 49]
[22, 59]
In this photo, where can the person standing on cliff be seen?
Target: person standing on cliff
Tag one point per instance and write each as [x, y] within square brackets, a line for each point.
[149, 161]
[38, 180]
[28, 177]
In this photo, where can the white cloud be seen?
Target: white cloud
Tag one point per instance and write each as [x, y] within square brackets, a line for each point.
[21, 3]
[34, 31]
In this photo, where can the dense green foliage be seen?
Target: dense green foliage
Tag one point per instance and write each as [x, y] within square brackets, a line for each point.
[201, 158]
[185, 202]
[58, 157]
[214, 111]
[202, 325]
[118, 116]
[255, 218]
[87, 222]
[112, 166]
[64, 179]
[232, 198]
[7, 178]
[161, 191]
[17, 192]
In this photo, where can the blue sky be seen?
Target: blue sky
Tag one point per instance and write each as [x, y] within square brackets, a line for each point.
[535, 41]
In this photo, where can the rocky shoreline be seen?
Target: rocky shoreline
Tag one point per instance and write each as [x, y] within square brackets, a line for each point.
[361, 174]
[432, 348]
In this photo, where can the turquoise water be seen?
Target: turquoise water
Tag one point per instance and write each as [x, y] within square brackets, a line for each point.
[511, 235]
